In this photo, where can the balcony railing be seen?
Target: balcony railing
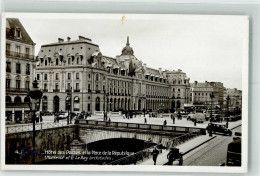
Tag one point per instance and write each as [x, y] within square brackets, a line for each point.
[97, 91]
[89, 90]
[20, 104]
[45, 90]
[8, 70]
[28, 72]
[76, 90]
[20, 55]
[22, 90]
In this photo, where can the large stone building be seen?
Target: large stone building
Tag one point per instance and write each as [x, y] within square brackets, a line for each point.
[102, 83]
[20, 61]
[200, 94]
[235, 96]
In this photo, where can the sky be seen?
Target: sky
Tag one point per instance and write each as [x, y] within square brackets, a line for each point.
[206, 48]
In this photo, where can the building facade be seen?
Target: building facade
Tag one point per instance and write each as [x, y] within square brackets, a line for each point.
[98, 82]
[235, 96]
[20, 63]
[200, 94]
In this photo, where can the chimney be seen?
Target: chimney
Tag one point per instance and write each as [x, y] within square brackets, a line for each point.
[144, 65]
[68, 38]
[196, 82]
[160, 69]
[60, 40]
[84, 38]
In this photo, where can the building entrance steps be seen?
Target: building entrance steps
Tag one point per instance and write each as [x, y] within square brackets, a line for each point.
[162, 157]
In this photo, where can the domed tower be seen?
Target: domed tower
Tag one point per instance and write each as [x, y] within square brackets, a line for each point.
[127, 50]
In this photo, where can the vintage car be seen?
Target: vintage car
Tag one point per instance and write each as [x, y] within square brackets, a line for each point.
[199, 117]
[218, 128]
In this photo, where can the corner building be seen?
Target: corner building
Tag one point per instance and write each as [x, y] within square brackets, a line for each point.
[98, 82]
[20, 65]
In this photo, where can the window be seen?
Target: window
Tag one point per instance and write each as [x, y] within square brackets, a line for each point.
[8, 82]
[68, 86]
[27, 52]
[45, 86]
[89, 87]
[45, 77]
[27, 85]
[38, 76]
[173, 89]
[18, 84]
[8, 46]
[8, 67]
[77, 86]
[77, 60]
[57, 76]
[69, 75]
[69, 61]
[27, 69]
[77, 75]
[57, 61]
[46, 62]
[179, 90]
[18, 33]
[18, 68]
[17, 49]
[97, 77]
[56, 86]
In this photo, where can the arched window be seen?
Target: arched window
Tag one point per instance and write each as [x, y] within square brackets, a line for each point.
[45, 62]
[97, 108]
[8, 99]
[44, 103]
[69, 61]
[57, 61]
[17, 100]
[174, 81]
[26, 100]
[77, 60]
[76, 103]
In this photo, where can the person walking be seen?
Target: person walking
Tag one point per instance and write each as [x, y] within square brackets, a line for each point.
[170, 157]
[145, 120]
[155, 155]
[173, 120]
[164, 123]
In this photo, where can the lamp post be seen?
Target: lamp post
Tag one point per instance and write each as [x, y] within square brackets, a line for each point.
[68, 99]
[212, 96]
[34, 96]
[227, 113]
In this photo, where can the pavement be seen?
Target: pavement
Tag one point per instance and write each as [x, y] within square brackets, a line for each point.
[162, 157]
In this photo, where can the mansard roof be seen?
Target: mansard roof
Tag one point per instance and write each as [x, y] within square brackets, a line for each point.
[11, 25]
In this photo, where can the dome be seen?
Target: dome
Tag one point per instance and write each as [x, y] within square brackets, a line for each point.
[127, 50]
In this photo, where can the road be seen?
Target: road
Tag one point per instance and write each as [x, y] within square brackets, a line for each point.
[212, 153]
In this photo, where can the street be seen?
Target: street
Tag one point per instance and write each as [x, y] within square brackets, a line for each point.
[212, 153]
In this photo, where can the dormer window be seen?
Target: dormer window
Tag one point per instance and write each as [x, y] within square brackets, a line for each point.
[18, 33]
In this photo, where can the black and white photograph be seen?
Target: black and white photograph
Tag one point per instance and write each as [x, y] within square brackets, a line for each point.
[134, 92]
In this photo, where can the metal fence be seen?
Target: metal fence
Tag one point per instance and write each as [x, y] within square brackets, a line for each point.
[29, 127]
[146, 153]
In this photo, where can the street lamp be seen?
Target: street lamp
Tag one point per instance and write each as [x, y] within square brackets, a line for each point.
[227, 113]
[68, 99]
[34, 97]
[212, 96]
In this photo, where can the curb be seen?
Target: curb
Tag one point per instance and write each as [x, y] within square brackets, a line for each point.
[236, 127]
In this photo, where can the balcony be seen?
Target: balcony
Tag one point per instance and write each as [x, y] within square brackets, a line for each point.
[18, 90]
[18, 71]
[97, 91]
[19, 55]
[56, 90]
[17, 105]
[89, 90]
[76, 90]
[28, 72]
[45, 90]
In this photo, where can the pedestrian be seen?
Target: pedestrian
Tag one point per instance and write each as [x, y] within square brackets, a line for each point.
[195, 122]
[221, 119]
[123, 116]
[109, 120]
[155, 154]
[145, 120]
[173, 120]
[164, 123]
[170, 157]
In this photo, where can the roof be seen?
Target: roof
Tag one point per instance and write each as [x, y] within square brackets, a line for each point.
[14, 23]
[70, 42]
[203, 85]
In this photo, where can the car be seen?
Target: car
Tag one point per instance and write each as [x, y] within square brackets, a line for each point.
[218, 128]
[190, 116]
[199, 117]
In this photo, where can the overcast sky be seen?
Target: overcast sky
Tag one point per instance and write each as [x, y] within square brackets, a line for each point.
[207, 48]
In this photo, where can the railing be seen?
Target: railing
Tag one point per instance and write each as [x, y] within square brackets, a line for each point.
[23, 90]
[13, 105]
[151, 127]
[76, 90]
[56, 90]
[20, 55]
[29, 127]
[133, 158]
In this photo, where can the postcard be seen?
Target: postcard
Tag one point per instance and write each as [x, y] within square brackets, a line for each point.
[124, 92]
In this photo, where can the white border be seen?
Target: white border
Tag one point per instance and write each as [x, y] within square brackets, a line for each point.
[126, 168]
